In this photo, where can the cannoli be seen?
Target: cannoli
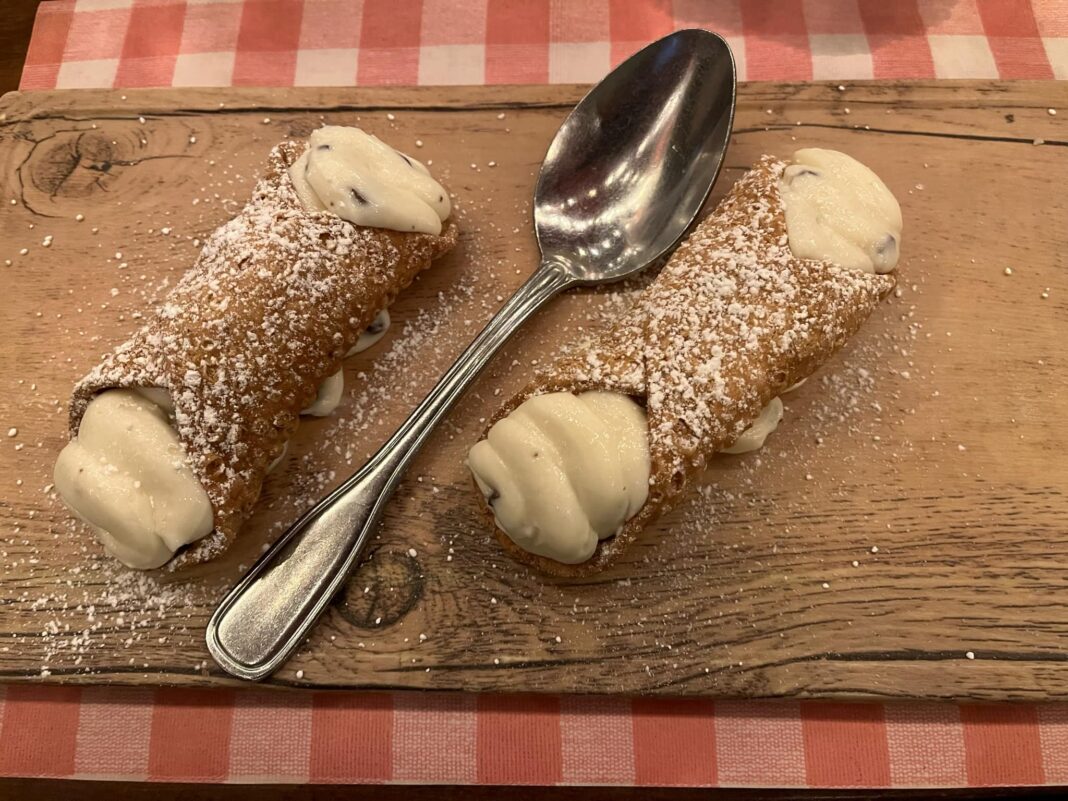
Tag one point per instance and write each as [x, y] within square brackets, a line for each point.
[608, 437]
[173, 432]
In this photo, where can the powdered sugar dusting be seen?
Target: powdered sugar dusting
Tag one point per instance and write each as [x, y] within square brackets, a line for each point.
[273, 303]
[732, 320]
[727, 566]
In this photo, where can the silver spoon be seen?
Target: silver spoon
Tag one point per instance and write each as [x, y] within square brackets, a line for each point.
[625, 176]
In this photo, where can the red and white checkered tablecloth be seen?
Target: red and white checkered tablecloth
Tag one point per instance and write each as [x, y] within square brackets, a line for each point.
[251, 735]
[95, 43]
[186, 735]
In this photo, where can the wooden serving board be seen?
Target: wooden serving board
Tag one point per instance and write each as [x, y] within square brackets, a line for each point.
[904, 533]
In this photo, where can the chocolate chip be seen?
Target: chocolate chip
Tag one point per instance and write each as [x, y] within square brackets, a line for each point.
[886, 245]
[358, 197]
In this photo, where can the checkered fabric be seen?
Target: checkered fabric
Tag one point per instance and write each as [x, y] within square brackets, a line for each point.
[254, 736]
[127, 43]
[332, 737]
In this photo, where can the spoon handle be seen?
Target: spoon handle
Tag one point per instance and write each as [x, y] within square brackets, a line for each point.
[267, 615]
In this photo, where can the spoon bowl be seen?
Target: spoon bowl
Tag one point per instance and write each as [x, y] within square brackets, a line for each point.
[634, 161]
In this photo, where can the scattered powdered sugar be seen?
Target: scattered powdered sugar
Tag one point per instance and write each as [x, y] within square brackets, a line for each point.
[732, 320]
[99, 607]
[828, 423]
[273, 276]
[95, 611]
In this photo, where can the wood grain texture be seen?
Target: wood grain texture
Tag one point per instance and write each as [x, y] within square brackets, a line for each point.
[911, 508]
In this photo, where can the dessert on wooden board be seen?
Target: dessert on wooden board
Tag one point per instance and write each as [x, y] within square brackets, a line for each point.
[759, 295]
[884, 446]
[173, 432]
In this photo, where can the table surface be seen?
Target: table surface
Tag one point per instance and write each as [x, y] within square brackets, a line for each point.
[74, 790]
[16, 24]
[15, 28]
